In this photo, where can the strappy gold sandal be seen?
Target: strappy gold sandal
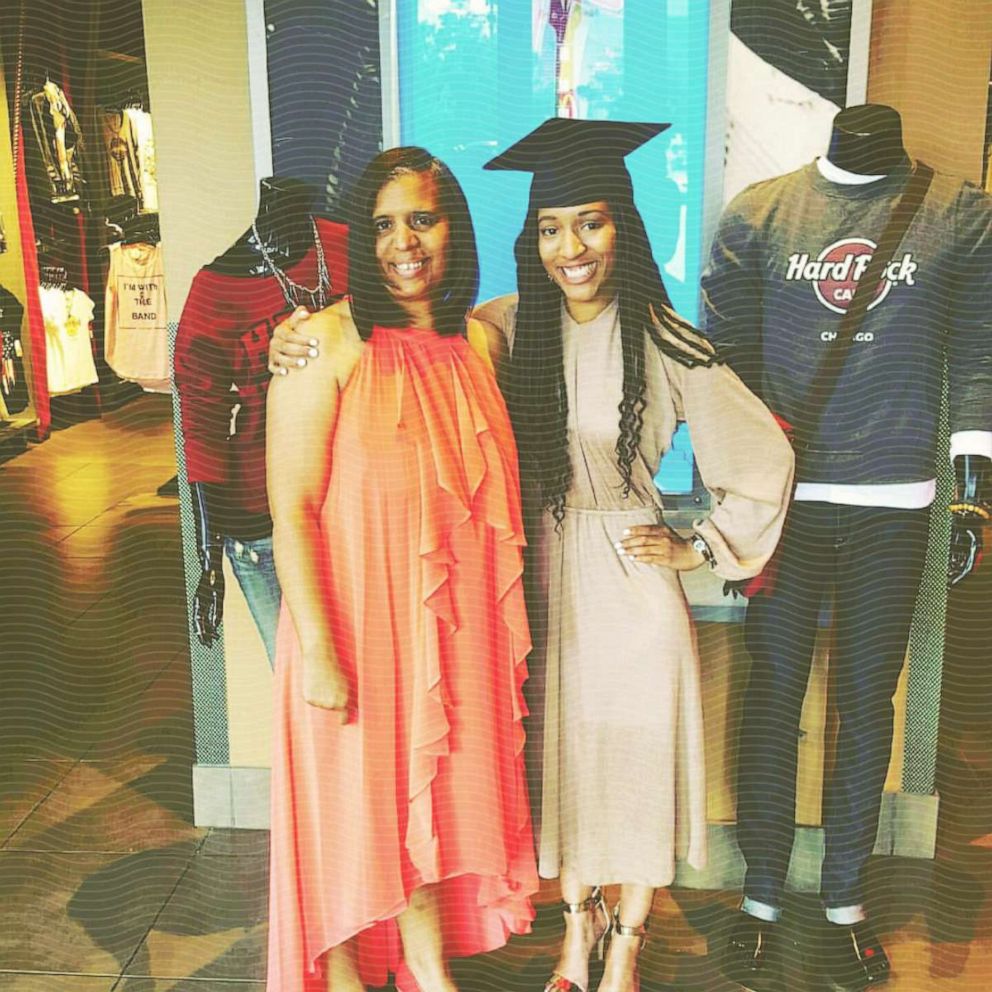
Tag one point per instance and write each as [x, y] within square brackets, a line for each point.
[618, 929]
[595, 903]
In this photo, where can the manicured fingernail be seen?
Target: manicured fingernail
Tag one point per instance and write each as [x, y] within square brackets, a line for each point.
[300, 312]
[312, 353]
[313, 342]
[284, 371]
[301, 362]
[626, 533]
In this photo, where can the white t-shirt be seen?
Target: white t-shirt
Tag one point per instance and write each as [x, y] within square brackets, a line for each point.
[136, 338]
[144, 142]
[68, 314]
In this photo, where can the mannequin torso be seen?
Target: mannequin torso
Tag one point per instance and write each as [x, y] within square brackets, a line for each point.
[283, 228]
[865, 146]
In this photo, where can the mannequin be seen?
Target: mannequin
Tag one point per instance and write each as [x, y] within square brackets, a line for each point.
[286, 258]
[774, 291]
[284, 221]
[971, 513]
[867, 140]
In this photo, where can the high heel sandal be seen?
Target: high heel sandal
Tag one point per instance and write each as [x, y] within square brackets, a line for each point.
[618, 929]
[594, 903]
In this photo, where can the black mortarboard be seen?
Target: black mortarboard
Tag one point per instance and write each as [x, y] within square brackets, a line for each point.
[576, 161]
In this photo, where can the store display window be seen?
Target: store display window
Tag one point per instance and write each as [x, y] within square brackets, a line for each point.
[596, 59]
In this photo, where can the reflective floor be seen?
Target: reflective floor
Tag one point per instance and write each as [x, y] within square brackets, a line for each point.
[106, 884]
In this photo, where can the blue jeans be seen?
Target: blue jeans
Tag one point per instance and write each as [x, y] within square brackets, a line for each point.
[871, 561]
[255, 570]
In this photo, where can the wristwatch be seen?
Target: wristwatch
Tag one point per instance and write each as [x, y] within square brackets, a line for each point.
[698, 544]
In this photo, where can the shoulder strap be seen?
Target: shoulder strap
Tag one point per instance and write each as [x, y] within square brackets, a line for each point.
[828, 371]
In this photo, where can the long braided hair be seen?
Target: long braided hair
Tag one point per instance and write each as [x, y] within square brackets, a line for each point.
[535, 383]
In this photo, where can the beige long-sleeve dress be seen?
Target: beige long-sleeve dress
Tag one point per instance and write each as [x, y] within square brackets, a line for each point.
[623, 789]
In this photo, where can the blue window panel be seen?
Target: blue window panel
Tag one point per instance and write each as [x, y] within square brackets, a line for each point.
[675, 473]
[465, 94]
[476, 75]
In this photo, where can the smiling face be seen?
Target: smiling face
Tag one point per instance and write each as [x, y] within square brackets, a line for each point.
[411, 240]
[577, 246]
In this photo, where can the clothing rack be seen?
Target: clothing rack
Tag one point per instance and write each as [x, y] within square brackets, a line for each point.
[54, 277]
[131, 100]
[142, 229]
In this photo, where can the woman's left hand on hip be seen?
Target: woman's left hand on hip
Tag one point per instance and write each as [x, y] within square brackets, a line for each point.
[657, 544]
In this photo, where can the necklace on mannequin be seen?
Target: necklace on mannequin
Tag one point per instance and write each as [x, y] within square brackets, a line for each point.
[296, 294]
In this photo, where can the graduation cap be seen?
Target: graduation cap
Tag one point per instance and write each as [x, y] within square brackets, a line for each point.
[577, 161]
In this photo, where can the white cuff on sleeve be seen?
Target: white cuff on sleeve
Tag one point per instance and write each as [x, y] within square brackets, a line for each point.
[971, 443]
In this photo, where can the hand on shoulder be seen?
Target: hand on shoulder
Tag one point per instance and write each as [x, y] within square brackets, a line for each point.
[333, 326]
[302, 336]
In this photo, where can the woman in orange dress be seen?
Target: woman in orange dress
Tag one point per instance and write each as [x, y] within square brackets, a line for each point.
[401, 832]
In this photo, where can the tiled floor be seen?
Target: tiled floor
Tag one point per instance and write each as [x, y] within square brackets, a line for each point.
[105, 884]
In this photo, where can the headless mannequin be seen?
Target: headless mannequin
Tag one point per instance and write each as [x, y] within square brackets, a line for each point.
[867, 141]
[866, 146]
[285, 228]
[285, 225]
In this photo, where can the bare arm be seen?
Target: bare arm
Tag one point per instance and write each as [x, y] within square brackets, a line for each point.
[488, 341]
[492, 322]
[300, 420]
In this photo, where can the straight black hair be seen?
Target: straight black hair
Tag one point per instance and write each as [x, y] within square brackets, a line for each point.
[371, 303]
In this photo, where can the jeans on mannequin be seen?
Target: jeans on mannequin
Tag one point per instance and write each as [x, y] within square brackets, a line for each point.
[254, 568]
[869, 560]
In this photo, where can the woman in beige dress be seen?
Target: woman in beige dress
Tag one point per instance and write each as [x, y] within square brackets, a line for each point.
[595, 391]
[599, 378]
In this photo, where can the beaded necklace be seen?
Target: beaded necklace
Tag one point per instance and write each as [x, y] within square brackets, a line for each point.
[296, 294]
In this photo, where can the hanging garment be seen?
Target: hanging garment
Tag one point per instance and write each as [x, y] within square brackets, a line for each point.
[68, 314]
[136, 339]
[123, 171]
[13, 384]
[59, 141]
[144, 141]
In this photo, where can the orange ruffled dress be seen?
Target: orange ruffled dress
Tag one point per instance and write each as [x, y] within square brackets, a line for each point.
[427, 785]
